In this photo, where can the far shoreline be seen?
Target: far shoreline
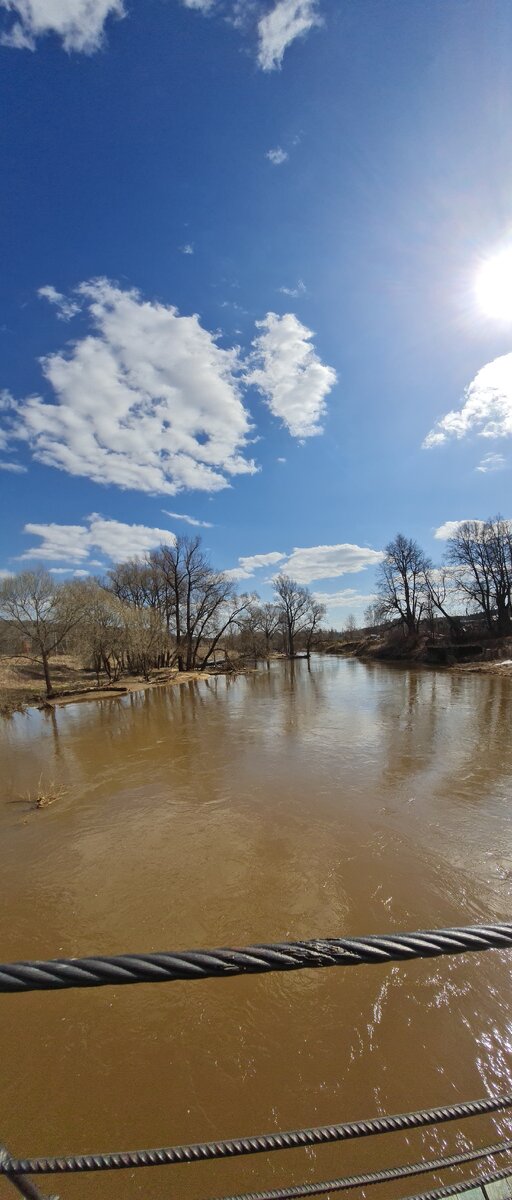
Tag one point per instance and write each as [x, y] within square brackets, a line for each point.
[17, 699]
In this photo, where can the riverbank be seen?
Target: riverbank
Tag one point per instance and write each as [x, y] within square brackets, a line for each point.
[489, 656]
[22, 683]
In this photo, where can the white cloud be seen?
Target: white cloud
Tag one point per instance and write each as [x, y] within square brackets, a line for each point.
[329, 562]
[187, 519]
[487, 407]
[491, 462]
[249, 563]
[187, 248]
[69, 571]
[295, 292]
[74, 543]
[7, 406]
[312, 562]
[345, 598]
[450, 528]
[80, 24]
[236, 573]
[147, 400]
[5, 574]
[286, 21]
[200, 5]
[277, 156]
[289, 374]
[281, 460]
[66, 308]
[15, 468]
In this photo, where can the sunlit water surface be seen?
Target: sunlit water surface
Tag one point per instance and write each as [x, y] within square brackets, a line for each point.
[291, 803]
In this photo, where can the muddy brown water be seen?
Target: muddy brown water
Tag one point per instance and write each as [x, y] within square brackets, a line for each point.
[291, 803]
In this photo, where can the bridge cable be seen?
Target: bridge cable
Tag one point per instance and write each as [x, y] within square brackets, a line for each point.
[256, 1144]
[24, 1186]
[166, 967]
[354, 1181]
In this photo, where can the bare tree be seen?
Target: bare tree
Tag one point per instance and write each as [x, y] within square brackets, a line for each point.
[142, 583]
[266, 619]
[442, 594]
[250, 636]
[42, 612]
[350, 624]
[316, 614]
[481, 553]
[145, 635]
[401, 582]
[101, 637]
[299, 613]
[202, 602]
[372, 614]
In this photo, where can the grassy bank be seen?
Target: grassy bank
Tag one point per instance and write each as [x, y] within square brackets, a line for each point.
[22, 683]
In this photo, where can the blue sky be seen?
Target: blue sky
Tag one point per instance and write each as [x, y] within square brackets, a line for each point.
[256, 272]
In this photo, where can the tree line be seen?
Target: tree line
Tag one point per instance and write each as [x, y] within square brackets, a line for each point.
[474, 580]
[170, 609]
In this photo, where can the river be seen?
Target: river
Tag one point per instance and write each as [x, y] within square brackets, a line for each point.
[290, 803]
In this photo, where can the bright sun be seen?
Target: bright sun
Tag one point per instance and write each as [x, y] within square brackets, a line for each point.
[494, 286]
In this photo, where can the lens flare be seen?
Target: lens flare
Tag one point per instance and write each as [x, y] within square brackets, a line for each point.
[494, 286]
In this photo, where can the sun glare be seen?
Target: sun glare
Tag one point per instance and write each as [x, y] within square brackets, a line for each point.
[494, 286]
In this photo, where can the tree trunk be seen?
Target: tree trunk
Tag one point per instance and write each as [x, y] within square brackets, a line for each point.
[46, 669]
[291, 641]
[503, 619]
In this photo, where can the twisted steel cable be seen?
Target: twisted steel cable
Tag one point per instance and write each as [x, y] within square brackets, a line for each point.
[256, 1144]
[25, 1187]
[453, 1189]
[353, 1181]
[251, 960]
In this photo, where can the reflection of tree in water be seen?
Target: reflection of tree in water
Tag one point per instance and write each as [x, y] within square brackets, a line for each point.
[286, 699]
[50, 718]
[439, 731]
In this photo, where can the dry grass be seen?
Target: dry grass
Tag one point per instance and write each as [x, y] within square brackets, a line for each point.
[45, 794]
[22, 681]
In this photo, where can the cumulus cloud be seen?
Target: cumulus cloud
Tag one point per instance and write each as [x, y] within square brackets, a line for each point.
[80, 24]
[146, 400]
[289, 374]
[236, 573]
[14, 467]
[277, 29]
[345, 598]
[187, 248]
[329, 562]
[313, 562]
[188, 520]
[203, 6]
[249, 563]
[69, 571]
[66, 308]
[277, 156]
[4, 574]
[115, 539]
[487, 407]
[449, 528]
[491, 462]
